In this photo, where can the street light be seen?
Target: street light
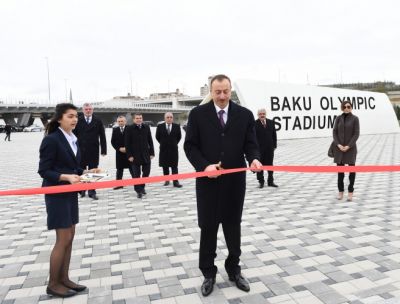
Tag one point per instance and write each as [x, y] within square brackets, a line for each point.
[48, 77]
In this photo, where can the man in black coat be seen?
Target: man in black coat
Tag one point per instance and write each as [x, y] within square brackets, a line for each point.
[139, 150]
[118, 143]
[266, 137]
[219, 135]
[90, 133]
[7, 129]
[168, 134]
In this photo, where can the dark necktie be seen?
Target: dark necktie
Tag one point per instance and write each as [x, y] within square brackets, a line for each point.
[221, 118]
[88, 120]
[122, 130]
[264, 124]
[169, 128]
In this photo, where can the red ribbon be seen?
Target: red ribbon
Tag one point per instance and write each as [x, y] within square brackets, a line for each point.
[157, 179]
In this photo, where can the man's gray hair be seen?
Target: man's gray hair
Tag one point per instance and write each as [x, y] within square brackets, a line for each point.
[87, 104]
[261, 110]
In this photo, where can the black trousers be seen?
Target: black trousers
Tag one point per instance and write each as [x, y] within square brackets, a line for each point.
[340, 181]
[140, 171]
[208, 247]
[260, 177]
[120, 172]
[8, 135]
[174, 170]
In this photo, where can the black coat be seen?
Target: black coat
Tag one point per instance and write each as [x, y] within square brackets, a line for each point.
[168, 144]
[220, 199]
[56, 158]
[346, 132]
[139, 144]
[118, 141]
[8, 129]
[266, 138]
[89, 136]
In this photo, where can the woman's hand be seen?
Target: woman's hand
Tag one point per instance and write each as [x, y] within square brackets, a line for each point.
[71, 178]
[94, 170]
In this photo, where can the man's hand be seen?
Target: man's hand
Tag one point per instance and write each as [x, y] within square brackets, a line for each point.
[213, 167]
[340, 147]
[151, 156]
[346, 148]
[103, 154]
[122, 150]
[131, 159]
[256, 166]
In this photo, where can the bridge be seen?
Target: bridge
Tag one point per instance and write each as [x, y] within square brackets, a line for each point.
[24, 114]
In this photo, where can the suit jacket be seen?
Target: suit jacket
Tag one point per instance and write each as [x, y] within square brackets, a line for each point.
[118, 141]
[168, 144]
[220, 199]
[139, 144]
[56, 158]
[89, 136]
[267, 141]
[346, 131]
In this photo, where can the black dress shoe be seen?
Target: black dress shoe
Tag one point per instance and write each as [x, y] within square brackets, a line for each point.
[177, 185]
[261, 185]
[144, 192]
[94, 197]
[272, 185]
[119, 187]
[139, 195]
[240, 282]
[67, 294]
[166, 183]
[77, 288]
[83, 193]
[208, 286]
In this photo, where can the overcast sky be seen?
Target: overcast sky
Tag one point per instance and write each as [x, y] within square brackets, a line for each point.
[97, 47]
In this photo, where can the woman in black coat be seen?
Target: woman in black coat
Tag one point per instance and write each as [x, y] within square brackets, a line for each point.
[60, 165]
[346, 131]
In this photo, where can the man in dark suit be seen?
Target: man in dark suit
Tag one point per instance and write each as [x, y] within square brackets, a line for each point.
[90, 131]
[118, 143]
[7, 129]
[139, 150]
[218, 135]
[168, 134]
[266, 137]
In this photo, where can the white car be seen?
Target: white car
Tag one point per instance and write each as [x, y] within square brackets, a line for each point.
[33, 128]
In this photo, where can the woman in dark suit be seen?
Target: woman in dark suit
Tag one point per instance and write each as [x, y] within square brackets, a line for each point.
[60, 165]
[346, 131]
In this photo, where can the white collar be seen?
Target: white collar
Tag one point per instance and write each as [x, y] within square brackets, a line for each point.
[217, 108]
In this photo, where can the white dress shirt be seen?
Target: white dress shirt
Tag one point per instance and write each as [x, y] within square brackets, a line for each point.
[225, 116]
[71, 138]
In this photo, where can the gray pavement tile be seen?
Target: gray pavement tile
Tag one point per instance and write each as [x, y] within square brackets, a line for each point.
[292, 240]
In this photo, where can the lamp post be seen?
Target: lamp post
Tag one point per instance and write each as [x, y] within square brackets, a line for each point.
[48, 77]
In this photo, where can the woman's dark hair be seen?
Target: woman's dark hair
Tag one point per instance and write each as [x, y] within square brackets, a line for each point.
[61, 109]
[344, 103]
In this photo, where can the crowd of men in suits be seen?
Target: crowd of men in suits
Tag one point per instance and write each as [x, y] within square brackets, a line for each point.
[133, 145]
[135, 150]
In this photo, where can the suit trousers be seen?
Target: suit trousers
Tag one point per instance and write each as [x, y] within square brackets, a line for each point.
[208, 246]
[352, 179]
[142, 170]
[174, 170]
[260, 177]
[120, 172]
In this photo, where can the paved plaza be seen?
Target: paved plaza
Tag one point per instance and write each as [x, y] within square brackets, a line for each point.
[299, 244]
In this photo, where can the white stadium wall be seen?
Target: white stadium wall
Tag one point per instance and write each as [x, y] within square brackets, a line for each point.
[302, 111]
